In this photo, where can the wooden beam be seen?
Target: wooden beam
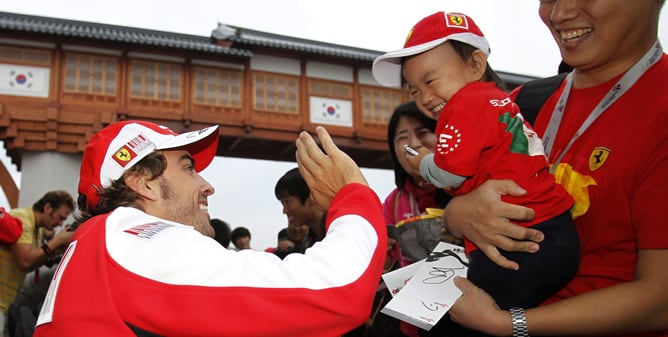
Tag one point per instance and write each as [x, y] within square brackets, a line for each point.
[9, 186]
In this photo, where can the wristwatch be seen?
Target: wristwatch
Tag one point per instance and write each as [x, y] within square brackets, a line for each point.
[520, 328]
[47, 250]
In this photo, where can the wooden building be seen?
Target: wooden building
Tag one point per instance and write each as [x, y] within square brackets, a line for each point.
[63, 80]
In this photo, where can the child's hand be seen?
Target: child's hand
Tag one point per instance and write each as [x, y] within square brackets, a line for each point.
[414, 160]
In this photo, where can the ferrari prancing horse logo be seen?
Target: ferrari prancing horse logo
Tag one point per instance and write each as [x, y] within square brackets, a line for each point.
[124, 155]
[455, 20]
[598, 157]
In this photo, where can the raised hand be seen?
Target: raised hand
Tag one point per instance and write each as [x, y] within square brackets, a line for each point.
[325, 172]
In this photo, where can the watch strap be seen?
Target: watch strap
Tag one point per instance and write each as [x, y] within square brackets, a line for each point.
[519, 319]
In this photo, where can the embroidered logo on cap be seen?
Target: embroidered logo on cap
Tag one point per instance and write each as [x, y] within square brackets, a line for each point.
[456, 21]
[130, 150]
[410, 32]
[124, 155]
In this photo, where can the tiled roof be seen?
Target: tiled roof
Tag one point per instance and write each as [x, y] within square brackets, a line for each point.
[62, 27]
[249, 37]
[244, 40]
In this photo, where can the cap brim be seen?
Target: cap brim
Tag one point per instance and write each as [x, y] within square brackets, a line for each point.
[202, 145]
[386, 68]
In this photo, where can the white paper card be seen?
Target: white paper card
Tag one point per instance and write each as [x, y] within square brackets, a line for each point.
[395, 280]
[430, 293]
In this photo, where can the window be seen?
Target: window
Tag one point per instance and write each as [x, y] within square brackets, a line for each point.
[90, 74]
[378, 104]
[330, 89]
[276, 93]
[155, 81]
[25, 56]
[219, 87]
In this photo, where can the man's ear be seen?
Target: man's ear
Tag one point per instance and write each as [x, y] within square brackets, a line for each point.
[141, 185]
[478, 64]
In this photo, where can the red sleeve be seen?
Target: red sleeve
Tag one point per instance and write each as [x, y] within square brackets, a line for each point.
[471, 127]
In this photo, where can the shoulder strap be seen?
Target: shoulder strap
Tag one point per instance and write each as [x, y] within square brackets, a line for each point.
[533, 94]
[396, 206]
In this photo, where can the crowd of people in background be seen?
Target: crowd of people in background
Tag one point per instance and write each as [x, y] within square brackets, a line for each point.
[40, 243]
[615, 63]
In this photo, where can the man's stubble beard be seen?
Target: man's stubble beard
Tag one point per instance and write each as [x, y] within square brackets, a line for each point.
[199, 223]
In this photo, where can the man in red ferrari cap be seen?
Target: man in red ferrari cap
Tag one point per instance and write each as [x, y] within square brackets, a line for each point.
[143, 263]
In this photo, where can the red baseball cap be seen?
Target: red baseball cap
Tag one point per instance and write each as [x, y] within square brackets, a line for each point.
[430, 32]
[119, 146]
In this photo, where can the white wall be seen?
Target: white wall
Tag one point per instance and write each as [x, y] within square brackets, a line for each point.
[45, 171]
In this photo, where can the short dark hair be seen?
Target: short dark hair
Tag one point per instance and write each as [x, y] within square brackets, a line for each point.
[292, 184]
[222, 231]
[56, 199]
[119, 194]
[283, 234]
[465, 51]
[239, 232]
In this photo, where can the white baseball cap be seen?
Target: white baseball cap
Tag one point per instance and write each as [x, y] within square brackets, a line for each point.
[430, 32]
[119, 146]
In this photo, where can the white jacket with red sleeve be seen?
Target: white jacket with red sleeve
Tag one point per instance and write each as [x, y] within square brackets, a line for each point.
[127, 271]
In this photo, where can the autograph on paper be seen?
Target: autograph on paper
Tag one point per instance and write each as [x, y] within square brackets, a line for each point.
[427, 291]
